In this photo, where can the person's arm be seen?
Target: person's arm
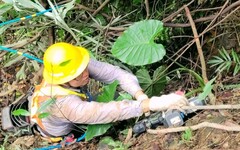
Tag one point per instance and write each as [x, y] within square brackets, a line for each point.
[84, 112]
[108, 73]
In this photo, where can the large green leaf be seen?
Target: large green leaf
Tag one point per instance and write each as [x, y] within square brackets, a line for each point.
[123, 96]
[152, 86]
[144, 78]
[159, 80]
[96, 130]
[136, 46]
[108, 92]
[106, 96]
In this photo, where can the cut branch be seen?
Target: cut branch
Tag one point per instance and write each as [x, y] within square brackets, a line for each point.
[199, 47]
[196, 127]
[216, 107]
[147, 8]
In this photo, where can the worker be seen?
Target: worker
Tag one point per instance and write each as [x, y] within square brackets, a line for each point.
[67, 68]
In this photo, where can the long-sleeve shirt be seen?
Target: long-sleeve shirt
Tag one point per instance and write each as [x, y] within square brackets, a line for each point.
[71, 109]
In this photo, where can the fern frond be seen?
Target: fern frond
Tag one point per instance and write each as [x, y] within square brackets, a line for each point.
[226, 62]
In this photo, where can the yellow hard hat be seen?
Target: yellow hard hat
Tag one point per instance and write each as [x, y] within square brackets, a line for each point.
[63, 62]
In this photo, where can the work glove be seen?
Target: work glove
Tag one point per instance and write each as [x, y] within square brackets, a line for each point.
[164, 102]
[142, 97]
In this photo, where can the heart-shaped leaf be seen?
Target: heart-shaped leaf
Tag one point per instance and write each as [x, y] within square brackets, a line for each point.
[96, 130]
[108, 92]
[136, 45]
[152, 86]
[106, 96]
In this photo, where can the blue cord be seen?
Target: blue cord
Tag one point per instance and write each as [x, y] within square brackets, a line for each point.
[20, 19]
[27, 17]
[59, 145]
[20, 53]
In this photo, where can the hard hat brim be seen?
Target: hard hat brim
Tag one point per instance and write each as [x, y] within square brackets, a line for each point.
[48, 76]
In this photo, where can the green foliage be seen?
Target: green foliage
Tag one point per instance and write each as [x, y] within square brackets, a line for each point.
[12, 60]
[2, 147]
[207, 89]
[123, 96]
[152, 85]
[187, 135]
[21, 73]
[21, 112]
[4, 28]
[195, 75]
[43, 115]
[226, 62]
[114, 145]
[96, 130]
[35, 65]
[137, 2]
[4, 8]
[46, 104]
[106, 96]
[136, 46]
[60, 34]
[108, 92]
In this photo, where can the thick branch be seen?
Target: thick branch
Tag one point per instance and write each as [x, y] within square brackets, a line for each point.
[195, 127]
[147, 8]
[207, 107]
[199, 47]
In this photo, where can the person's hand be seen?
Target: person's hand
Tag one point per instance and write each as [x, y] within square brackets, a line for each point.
[140, 96]
[165, 102]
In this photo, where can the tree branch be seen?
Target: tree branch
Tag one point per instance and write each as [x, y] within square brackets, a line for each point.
[195, 127]
[208, 18]
[99, 8]
[199, 47]
[147, 9]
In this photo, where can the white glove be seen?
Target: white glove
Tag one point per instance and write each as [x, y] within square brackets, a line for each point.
[166, 101]
[142, 97]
